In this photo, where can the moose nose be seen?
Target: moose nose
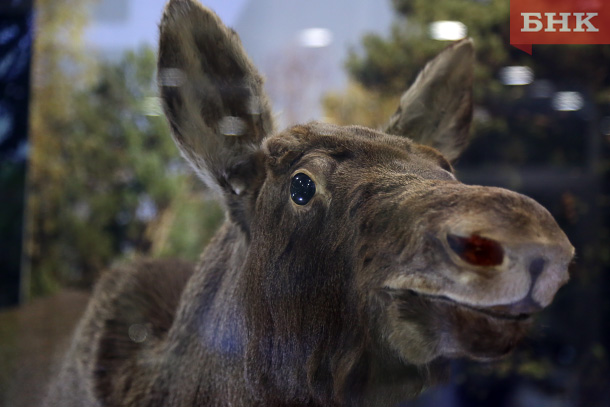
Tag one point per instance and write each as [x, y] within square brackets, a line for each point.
[525, 270]
[527, 305]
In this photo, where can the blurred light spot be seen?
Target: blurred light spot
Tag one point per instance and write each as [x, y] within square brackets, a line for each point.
[315, 37]
[604, 126]
[6, 123]
[146, 209]
[254, 105]
[232, 126]
[542, 89]
[13, 63]
[138, 333]
[568, 101]
[7, 63]
[448, 30]
[8, 34]
[177, 167]
[172, 77]
[22, 152]
[481, 115]
[516, 75]
[152, 106]
[82, 210]
[127, 249]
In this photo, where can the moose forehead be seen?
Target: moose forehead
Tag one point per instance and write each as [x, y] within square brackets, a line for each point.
[358, 145]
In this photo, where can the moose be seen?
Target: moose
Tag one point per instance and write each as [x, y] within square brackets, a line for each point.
[352, 265]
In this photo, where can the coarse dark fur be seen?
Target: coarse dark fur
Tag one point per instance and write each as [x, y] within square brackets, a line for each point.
[357, 298]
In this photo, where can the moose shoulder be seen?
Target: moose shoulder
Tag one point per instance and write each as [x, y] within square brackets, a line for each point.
[352, 264]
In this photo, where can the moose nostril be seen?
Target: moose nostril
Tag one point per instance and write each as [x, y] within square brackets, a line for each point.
[536, 267]
[476, 250]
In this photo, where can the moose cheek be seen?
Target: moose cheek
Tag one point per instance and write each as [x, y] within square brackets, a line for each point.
[477, 250]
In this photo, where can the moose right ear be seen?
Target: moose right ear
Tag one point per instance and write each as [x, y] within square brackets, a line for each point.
[212, 95]
[437, 109]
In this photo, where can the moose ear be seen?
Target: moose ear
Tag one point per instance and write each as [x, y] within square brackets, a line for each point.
[437, 108]
[212, 95]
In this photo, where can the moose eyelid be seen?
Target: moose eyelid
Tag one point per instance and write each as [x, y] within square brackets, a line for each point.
[295, 160]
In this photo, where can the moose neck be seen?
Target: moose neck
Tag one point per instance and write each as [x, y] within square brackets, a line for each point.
[292, 333]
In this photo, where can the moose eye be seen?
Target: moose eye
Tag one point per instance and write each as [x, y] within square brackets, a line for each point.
[302, 189]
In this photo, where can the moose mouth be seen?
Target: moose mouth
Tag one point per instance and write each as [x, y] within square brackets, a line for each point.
[498, 312]
[509, 312]
[458, 329]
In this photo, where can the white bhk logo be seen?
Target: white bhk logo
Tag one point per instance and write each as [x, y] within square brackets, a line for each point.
[533, 22]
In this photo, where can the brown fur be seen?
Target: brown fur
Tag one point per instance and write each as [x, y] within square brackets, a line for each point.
[353, 299]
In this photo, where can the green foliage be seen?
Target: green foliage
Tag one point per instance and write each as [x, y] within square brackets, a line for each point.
[357, 105]
[124, 181]
[192, 222]
[511, 124]
[57, 46]
[393, 63]
[105, 180]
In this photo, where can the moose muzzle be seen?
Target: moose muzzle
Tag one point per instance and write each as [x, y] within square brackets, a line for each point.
[495, 250]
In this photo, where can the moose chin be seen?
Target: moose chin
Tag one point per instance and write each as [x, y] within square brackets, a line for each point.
[352, 264]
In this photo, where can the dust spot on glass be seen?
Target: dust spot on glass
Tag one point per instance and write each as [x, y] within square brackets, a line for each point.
[147, 208]
[152, 106]
[232, 126]
[481, 115]
[138, 333]
[254, 106]
[172, 77]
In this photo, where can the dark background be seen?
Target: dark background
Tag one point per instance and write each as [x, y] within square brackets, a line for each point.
[15, 57]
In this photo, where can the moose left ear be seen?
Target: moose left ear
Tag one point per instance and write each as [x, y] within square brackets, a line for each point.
[437, 109]
[213, 96]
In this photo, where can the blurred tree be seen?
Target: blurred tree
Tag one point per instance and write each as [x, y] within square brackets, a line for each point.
[59, 68]
[388, 65]
[122, 187]
[106, 181]
[115, 153]
[359, 105]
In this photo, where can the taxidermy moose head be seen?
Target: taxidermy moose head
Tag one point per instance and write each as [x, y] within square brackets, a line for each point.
[352, 263]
